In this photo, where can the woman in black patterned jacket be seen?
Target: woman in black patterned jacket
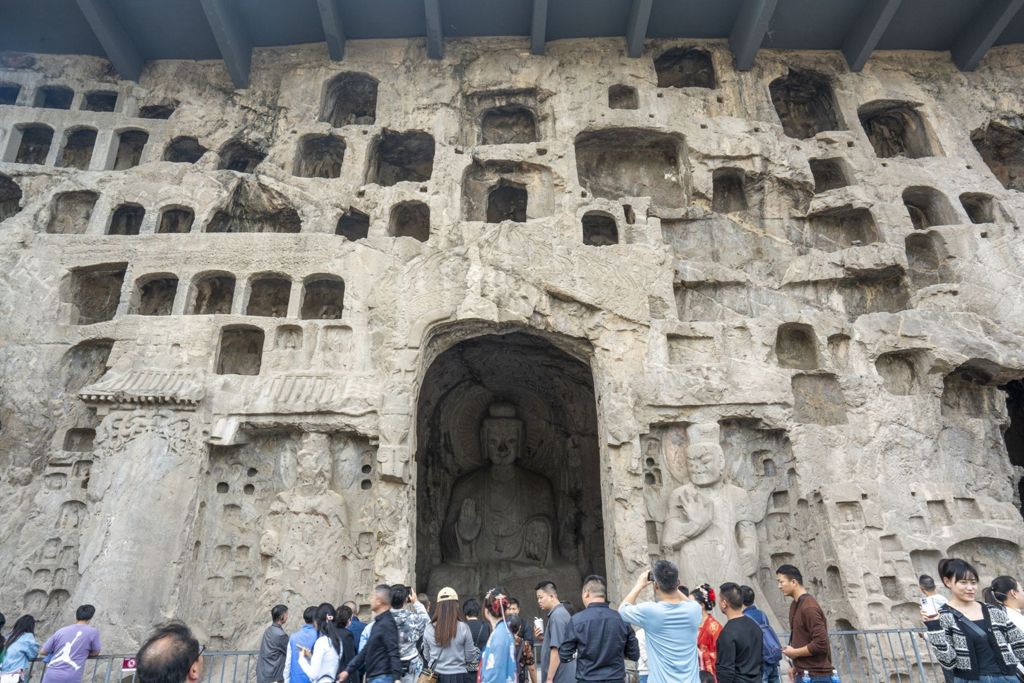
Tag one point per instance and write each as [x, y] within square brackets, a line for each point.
[976, 642]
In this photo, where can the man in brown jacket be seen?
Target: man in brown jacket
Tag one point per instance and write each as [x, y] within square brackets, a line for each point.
[808, 641]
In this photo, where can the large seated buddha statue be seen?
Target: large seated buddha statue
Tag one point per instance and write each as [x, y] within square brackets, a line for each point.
[501, 521]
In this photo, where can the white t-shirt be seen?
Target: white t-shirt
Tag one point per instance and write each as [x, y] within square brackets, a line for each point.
[1016, 618]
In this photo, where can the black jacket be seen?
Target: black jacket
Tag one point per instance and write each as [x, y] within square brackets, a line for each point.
[380, 655]
[602, 642]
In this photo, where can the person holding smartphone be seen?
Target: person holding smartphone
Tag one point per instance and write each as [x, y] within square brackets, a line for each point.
[977, 642]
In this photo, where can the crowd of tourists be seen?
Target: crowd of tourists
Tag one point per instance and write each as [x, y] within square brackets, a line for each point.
[672, 638]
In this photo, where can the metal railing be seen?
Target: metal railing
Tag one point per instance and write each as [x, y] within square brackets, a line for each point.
[872, 656]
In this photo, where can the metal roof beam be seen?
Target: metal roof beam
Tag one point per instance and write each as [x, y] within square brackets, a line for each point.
[749, 31]
[435, 32]
[539, 27]
[982, 33]
[116, 42]
[334, 31]
[863, 38]
[636, 29]
[232, 40]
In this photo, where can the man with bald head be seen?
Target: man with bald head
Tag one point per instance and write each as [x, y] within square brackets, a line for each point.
[171, 655]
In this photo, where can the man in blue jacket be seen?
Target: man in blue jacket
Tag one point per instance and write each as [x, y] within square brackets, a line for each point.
[301, 639]
[598, 638]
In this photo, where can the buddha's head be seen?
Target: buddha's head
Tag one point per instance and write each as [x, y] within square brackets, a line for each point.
[704, 457]
[502, 434]
[313, 460]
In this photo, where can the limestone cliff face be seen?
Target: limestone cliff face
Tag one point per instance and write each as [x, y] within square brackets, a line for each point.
[249, 336]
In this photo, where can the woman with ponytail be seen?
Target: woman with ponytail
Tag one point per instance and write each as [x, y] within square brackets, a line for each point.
[707, 635]
[322, 664]
[498, 663]
[1005, 591]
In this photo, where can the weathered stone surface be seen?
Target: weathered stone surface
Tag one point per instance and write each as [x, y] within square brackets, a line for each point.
[249, 342]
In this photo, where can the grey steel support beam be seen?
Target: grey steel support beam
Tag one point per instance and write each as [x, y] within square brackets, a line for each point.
[982, 33]
[232, 40]
[539, 27]
[636, 29]
[870, 27]
[116, 42]
[749, 31]
[435, 33]
[334, 31]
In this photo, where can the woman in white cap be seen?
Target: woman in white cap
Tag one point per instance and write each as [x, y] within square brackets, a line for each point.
[449, 648]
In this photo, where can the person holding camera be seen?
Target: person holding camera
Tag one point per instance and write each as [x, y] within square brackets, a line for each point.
[670, 625]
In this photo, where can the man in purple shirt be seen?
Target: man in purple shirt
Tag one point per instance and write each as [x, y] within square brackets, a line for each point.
[68, 648]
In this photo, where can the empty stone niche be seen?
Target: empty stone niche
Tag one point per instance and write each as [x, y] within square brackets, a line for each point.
[495, 191]
[84, 363]
[683, 67]
[9, 93]
[796, 346]
[158, 110]
[269, 295]
[410, 219]
[155, 294]
[841, 228]
[78, 146]
[397, 157]
[126, 220]
[1001, 146]
[70, 212]
[966, 392]
[241, 351]
[928, 207]
[240, 156]
[10, 197]
[212, 294]
[896, 129]
[926, 266]
[254, 207]
[130, 144]
[623, 97]
[982, 208]
[323, 298]
[353, 225]
[348, 99]
[599, 229]
[184, 149]
[100, 100]
[93, 292]
[508, 124]
[633, 162]
[33, 143]
[805, 103]
[729, 190]
[54, 97]
[818, 399]
[829, 174]
[176, 219]
[320, 156]
[901, 371]
[79, 439]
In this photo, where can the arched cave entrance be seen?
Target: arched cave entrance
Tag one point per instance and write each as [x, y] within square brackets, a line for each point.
[508, 469]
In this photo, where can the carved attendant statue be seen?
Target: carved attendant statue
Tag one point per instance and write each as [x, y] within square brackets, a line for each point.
[708, 523]
[501, 519]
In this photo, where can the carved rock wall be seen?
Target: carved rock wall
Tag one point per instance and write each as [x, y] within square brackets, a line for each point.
[221, 319]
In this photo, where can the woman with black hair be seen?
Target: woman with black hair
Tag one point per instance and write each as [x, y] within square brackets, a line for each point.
[707, 634]
[480, 629]
[1005, 591]
[322, 664]
[20, 648]
[976, 642]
